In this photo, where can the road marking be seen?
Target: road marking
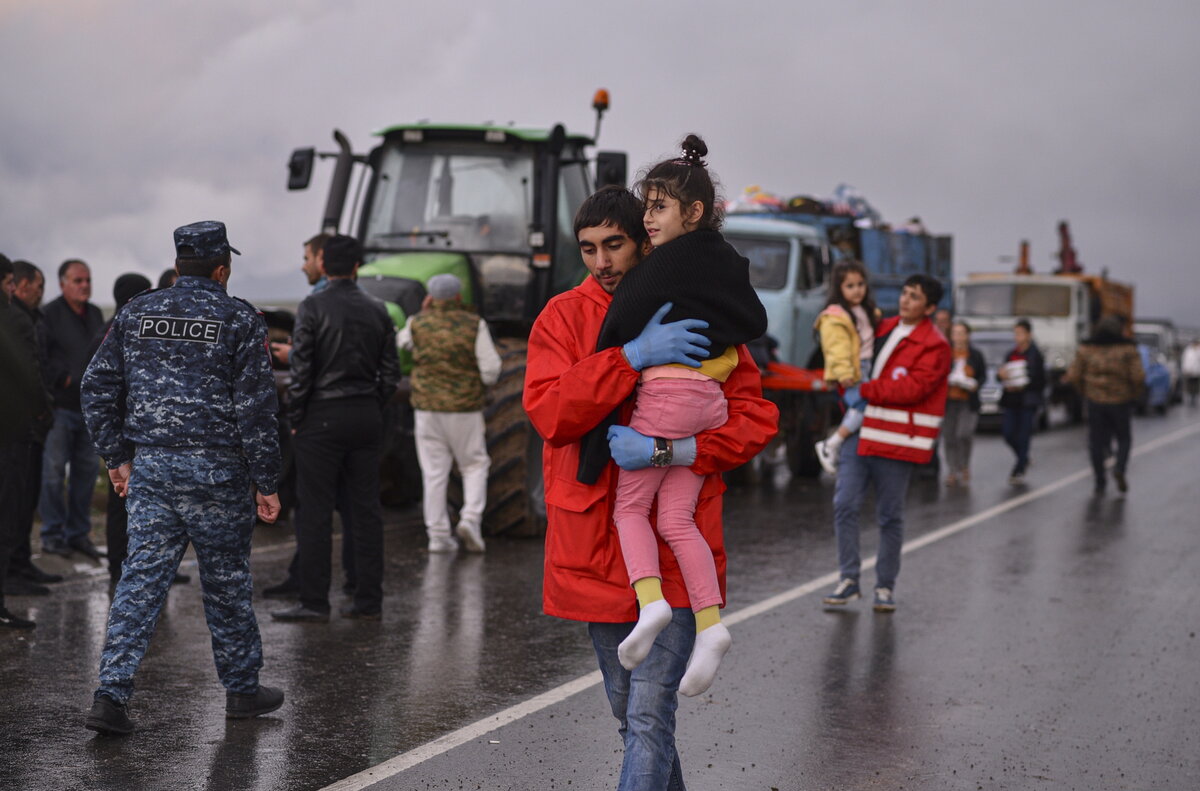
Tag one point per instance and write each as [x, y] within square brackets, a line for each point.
[475, 730]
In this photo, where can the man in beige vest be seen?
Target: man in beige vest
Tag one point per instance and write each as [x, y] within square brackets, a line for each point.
[453, 360]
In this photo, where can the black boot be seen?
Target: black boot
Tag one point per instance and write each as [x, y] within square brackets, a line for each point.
[34, 574]
[108, 718]
[20, 586]
[240, 706]
[10, 621]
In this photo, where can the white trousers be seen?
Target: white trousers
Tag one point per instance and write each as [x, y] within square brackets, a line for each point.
[443, 439]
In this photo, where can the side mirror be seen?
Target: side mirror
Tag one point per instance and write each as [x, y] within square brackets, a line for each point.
[612, 167]
[300, 168]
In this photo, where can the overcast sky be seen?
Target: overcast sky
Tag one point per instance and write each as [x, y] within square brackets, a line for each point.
[123, 119]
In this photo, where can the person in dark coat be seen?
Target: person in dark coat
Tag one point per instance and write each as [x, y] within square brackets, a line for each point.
[1023, 375]
[71, 322]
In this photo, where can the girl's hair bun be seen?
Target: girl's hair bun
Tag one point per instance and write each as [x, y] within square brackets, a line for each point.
[694, 150]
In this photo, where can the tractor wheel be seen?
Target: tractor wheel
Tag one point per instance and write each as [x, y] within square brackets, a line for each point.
[516, 494]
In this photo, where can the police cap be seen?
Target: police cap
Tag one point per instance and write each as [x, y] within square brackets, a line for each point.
[204, 239]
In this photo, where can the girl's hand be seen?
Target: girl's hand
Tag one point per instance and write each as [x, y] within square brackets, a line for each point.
[847, 381]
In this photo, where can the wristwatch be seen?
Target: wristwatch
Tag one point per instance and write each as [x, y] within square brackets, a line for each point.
[663, 452]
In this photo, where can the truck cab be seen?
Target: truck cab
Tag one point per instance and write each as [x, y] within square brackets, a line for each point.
[789, 267]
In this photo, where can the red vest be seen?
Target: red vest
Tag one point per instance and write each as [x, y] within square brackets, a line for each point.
[907, 399]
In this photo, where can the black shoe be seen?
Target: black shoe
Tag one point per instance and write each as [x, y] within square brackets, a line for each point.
[181, 579]
[34, 574]
[19, 586]
[301, 614]
[242, 707]
[288, 589]
[108, 718]
[1122, 484]
[10, 621]
[362, 615]
[56, 548]
[84, 546]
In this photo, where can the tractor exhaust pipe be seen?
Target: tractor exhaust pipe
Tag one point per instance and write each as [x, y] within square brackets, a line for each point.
[339, 186]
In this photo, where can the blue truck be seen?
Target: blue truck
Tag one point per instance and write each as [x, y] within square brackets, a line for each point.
[791, 254]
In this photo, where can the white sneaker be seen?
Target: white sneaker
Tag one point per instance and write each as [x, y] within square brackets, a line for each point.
[442, 544]
[471, 537]
[828, 456]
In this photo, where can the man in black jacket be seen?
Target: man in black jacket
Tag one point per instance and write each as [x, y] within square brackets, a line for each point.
[344, 369]
[71, 321]
[22, 401]
[25, 578]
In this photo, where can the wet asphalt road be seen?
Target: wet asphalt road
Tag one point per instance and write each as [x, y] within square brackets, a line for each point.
[1047, 641]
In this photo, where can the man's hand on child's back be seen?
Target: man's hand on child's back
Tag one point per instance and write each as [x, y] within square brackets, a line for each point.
[660, 344]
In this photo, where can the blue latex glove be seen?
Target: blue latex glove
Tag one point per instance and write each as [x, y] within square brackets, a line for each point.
[853, 399]
[629, 449]
[660, 343]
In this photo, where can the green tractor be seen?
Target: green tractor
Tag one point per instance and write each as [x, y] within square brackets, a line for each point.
[493, 205]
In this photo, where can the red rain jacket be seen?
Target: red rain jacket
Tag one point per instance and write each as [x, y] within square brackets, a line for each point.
[907, 400]
[569, 388]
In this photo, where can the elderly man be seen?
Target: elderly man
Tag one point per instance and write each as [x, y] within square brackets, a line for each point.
[454, 359]
[71, 321]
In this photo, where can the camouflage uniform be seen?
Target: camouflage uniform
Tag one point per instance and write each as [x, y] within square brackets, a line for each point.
[182, 388]
[453, 359]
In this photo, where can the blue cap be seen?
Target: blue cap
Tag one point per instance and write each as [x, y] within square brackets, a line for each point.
[202, 240]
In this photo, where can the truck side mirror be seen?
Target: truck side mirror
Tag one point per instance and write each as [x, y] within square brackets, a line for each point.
[300, 168]
[612, 167]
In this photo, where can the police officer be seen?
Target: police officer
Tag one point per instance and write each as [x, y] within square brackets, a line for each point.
[180, 402]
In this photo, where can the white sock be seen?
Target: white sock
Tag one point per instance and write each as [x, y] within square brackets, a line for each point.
[710, 648]
[653, 618]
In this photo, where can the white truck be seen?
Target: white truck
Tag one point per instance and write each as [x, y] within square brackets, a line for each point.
[1062, 310]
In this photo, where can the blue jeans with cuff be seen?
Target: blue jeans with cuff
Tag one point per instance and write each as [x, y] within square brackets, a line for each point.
[644, 700]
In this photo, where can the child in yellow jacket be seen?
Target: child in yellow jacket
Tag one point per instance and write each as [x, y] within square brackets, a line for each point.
[847, 330]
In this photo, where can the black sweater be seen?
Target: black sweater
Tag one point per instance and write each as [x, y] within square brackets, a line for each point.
[704, 278]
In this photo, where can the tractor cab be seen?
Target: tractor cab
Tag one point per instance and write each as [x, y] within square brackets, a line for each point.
[491, 204]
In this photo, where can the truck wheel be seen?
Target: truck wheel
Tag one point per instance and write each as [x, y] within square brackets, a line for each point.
[516, 504]
[399, 470]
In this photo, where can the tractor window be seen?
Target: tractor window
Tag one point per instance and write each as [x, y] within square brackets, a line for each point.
[573, 189]
[460, 197]
[768, 260]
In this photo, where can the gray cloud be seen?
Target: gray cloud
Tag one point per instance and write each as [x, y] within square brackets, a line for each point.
[124, 119]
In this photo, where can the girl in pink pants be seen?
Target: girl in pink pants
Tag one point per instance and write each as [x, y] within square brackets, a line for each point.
[692, 273]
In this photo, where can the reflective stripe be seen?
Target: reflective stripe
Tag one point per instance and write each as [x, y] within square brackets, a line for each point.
[903, 416]
[894, 438]
[928, 421]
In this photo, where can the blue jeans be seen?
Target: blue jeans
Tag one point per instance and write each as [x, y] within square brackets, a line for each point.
[1017, 427]
[644, 700]
[855, 474]
[67, 444]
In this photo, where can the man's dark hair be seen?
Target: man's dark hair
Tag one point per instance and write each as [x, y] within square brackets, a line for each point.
[341, 254]
[24, 271]
[65, 265]
[167, 278]
[6, 266]
[1024, 324]
[931, 287]
[317, 243]
[612, 205]
[202, 267]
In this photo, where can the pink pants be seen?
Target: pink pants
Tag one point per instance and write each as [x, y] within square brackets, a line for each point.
[671, 408]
